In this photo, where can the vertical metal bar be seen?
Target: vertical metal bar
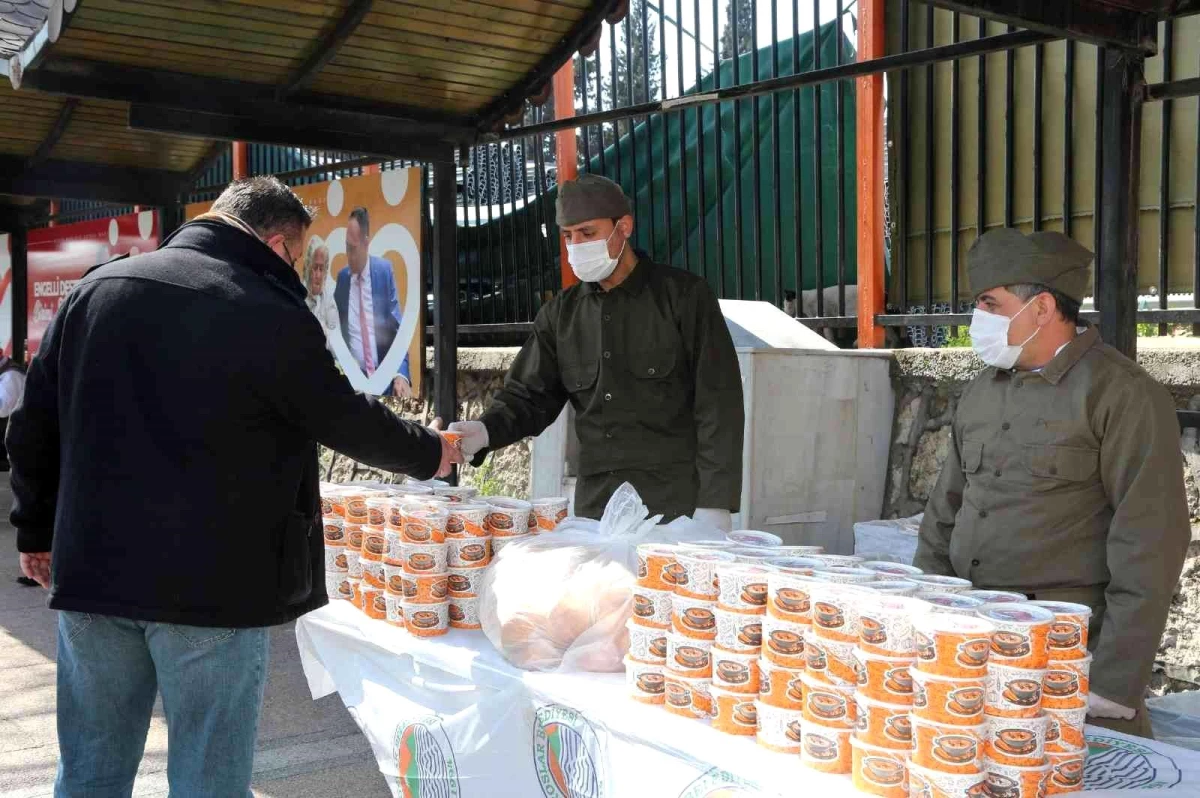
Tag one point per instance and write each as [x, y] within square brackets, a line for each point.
[981, 138]
[1097, 195]
[1164, 173]
[1039, 57]
[514, 233]
[930, 165]
[777, 209]
[1121, 128]
[497, 294]
[869, 151]
[756, 167]
[719, 154]
[1068, 174]
[445, 302]
[477, 238]
[647, 121]
[587, 131]
[1010, 134]
[901, 132]
[614, 89]
[839, 126]
[797, 167]
[665, 122]
[701, 212]
[500, 222]
[462, 238]
[533, 252]
[955, 178]
[818, 209]
[600, 107]
[544, 239]
[633, 159]
[738, 218]
[682, 116]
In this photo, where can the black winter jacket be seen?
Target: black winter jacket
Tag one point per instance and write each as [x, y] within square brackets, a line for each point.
[166, 449]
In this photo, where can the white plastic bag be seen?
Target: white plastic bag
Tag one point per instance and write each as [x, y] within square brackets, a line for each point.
[560, 601]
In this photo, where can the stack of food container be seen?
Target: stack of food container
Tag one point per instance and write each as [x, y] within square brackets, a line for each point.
[374, 542]
[508, 521]
[830, 680]
[337, 556]
[949, 696]
[423, 560]
[1065, 690]
[1018, 726]
[645, 665]
[786, 626]
[547, 514]
[693, 630]
[739, 614]
[469, 552]
[884, 658]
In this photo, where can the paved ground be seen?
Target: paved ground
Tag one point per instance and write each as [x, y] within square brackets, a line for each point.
[306, 748]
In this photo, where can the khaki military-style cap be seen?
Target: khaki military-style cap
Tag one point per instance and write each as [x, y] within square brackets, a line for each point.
[1007, 257]
[590, 197]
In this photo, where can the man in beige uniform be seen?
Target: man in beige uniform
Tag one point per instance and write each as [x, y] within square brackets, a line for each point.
[1064, 479]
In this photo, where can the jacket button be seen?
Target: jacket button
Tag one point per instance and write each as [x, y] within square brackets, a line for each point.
[975, 563]
[608, 434]
[578, 383]
[607, 317]
[608, 397]
[1005, 426]
[997, 472]
[607, 355]
[650, 371]
[983, 513]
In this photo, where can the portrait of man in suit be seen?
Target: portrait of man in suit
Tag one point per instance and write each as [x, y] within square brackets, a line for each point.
[368, 305]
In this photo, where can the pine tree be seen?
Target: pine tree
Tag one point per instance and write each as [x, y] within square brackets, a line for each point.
[745, 34]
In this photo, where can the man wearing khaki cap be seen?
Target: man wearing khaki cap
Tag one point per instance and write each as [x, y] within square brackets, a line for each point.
[1064, 479]
[642, 353]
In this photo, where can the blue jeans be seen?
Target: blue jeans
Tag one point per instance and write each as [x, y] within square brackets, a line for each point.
[109, 670]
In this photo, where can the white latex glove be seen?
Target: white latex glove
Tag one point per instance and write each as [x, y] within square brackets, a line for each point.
[474, 436]
[1101, 707]
[721, 519]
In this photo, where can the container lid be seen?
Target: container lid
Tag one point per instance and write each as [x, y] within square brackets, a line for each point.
[942, 582]
[838, 559]
[892, 586]
[752, 537]
[893, 568]
[1015, 613]
[952, 623]
[955, 601]
[995, 596]
[506, 503]
[1063, 607]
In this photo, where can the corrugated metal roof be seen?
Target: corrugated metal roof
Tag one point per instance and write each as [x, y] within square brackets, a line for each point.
[19, 20]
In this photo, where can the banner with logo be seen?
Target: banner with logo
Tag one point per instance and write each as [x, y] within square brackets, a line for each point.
[60, 255]
[450, 718]
[361, 266]
[6, 298]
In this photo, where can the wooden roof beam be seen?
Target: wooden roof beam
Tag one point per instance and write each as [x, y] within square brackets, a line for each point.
[326, 48]
[1084, 20]
[230, 127]
[56, 132]
[88, 181]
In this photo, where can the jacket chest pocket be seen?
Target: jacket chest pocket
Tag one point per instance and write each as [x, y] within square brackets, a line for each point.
[972, 456]
[579, 377]
[658, 363]
[1061, 464]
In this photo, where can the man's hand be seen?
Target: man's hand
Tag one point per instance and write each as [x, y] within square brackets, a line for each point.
[401, 388]
[451, 454]
[1101, 707]
[37, 567]
[474, 436]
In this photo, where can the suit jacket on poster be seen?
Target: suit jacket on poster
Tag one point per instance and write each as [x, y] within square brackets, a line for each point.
[166, 449]
[386, 304]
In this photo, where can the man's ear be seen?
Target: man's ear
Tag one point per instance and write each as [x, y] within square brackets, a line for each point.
[625, 223]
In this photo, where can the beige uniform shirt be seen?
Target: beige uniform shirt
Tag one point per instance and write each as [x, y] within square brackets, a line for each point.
[1068, 484]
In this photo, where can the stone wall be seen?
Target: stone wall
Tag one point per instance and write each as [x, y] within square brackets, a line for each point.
[928, 384]
[480, 375]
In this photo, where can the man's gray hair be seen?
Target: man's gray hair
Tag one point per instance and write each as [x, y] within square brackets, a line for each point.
[267, 205]
[1067, 308]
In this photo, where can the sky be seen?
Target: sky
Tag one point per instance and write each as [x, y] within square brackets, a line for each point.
[676, 17]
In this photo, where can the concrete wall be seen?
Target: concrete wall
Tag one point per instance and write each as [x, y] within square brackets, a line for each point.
[928, 384]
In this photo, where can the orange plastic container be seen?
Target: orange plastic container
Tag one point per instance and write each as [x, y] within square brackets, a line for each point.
[781, 686]
[884, 678]
[949, 749]
[826, 749]
[943, 699]
[884, 725]
[1066, 771]
[952, 645]
[879, 771]
[1021, 638]
[734, 713]
[1066, 684]
[430, 589]
[828, 704]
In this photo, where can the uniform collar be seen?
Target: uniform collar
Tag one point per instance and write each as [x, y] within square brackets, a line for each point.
[636, 280]
[1066, 358]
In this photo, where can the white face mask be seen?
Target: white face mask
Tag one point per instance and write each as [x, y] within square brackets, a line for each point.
[989, 338]
[590, 260]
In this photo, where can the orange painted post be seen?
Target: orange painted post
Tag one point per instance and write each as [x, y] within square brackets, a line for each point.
[372, 169]
[565, 153]
[870, 177]
[53, 213]
[241, 160]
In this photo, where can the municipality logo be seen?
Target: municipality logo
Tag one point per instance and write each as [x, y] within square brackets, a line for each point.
[717, 783]
[425, 760]
[567, 754]
[1115, 763]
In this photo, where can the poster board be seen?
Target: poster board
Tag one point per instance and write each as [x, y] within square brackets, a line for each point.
[392, 201]
[60, 255]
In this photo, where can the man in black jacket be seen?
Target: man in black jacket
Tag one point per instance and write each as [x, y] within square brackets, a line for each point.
[164, 471]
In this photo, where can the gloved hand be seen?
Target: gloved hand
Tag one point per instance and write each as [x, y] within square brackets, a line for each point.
[474, 436]
[1101, 707]
[709, 516]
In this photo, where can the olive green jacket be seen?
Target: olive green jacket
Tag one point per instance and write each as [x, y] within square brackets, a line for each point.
[1068, 484]
[651, 372]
